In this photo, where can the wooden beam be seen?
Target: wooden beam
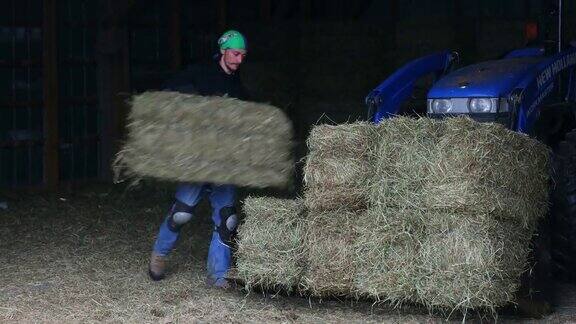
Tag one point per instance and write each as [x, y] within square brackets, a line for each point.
[113, 77]
[265, 10]
[50, 88]
[175, 37]
[222, 15]
[305, 9]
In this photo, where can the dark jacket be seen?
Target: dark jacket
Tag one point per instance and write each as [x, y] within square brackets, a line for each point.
[207, 80]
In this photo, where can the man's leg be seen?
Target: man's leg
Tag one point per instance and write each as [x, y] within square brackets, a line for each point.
[187, 197]
[224, 216]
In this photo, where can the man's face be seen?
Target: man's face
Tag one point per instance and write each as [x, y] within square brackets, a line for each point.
[232, 58]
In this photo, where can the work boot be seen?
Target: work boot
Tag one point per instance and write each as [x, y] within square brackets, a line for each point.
[221, 283]
[157, 266]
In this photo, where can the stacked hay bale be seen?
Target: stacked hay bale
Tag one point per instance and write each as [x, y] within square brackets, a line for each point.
[330, 266]
[447, 211]
[336, 172]
[189, 138]
[337, 166]
[462, 200]
[270, 243]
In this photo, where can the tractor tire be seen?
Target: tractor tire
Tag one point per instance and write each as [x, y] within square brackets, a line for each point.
[563, 209]
[535, 298]
[553, 249]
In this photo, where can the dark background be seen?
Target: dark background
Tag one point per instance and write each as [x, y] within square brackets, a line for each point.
[67, 67]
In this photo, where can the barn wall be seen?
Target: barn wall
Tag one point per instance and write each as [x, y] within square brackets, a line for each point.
[315, 59]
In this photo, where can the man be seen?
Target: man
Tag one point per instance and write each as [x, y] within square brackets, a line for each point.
[217, 78]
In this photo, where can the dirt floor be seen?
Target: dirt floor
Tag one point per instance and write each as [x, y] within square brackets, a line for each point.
[82, 257]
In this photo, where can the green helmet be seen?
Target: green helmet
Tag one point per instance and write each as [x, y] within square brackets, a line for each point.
[232, 39]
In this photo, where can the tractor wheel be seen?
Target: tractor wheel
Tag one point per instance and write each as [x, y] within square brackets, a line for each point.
[535, 297]
[553, 253]
[563, 212]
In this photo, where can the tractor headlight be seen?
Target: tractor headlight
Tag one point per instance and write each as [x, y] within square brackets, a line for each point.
[482, 105]
[441, 106]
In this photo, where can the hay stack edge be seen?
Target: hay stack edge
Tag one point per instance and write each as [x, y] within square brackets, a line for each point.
[439, 213]
[190, 138]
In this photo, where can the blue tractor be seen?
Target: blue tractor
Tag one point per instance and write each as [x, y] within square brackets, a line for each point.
[526, 90]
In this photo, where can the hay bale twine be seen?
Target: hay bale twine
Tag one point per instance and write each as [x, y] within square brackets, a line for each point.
[337, 166]
[270, 251]
[329, 242]
[190, 138]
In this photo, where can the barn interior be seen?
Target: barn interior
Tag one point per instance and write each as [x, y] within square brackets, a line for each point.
[74, 245]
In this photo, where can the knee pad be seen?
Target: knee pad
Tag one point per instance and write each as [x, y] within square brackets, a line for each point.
[180, 214]
[228, 223]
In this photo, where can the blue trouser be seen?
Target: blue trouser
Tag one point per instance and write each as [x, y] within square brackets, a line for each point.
[221, 197]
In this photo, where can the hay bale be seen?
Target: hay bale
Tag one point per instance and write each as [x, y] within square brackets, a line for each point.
[338, 166]
[472, 265]
[270, 243]
[486, 168]
[451, 208]
[459, 165]
[440, 259]
[404, 157]
[456, 203]
[386, 249]
[329, 241]
[189, 138]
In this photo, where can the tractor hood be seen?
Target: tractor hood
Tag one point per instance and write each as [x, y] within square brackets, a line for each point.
[486, 79]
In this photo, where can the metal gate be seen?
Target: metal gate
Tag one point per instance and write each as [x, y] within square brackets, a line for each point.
[27, 131]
